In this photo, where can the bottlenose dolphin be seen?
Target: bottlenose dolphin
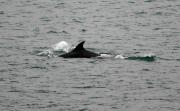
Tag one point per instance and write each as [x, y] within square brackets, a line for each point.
[79, 52]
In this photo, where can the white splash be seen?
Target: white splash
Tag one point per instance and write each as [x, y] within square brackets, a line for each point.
[106, 55]
[119, 57]
[48, 53]
[112, 56]
[60, 46]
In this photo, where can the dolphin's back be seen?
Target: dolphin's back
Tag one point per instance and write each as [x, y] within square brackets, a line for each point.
[79, 52]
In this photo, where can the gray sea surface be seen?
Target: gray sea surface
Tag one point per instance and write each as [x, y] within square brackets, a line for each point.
[29, 82]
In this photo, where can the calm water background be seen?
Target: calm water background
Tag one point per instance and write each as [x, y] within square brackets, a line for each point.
[130, 27]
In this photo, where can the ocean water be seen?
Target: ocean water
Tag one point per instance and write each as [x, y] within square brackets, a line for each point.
[147, 32]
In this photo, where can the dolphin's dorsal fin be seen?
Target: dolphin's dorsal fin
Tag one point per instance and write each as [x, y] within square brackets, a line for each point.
[79, 46]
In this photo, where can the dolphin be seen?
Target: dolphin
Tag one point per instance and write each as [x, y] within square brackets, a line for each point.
[79, 52]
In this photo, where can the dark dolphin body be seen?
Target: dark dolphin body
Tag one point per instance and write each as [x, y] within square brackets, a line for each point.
[79, 52]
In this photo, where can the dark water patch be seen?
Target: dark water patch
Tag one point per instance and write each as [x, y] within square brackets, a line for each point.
[8, 70]
[14, 81]
[93, 61]
[142, 58]
[150, 83]
[160, 99]
[84, 109]
[36, 30]
[2, 79]
[64, 32]
[26, 12]
[83, 30]
[77, 21]
[13, 64]
[33, 105]
[149, 0]
[87, 87]
[131, 2]
[33, 77]
[1, 12]
[47, 91]
[39, 6]
[52, 32]
[14, 90]
[9, 55]
[40, 105]
[158, 13]
[96, 75]
[176, 47]
[145, 69]
[178, 91]
[4, 24]
[95, 97]
[5, 38]
[40, 48]
[177, 59]
[42, 91]
[52, 105]
[79, 93]
[4, 70]
[168, 59]
[45, 19]
[60, 5]
[140, 13]
[156, 29]
[38, 67]
[17, 29]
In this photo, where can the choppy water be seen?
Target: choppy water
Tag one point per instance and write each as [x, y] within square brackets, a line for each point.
[132, 28]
